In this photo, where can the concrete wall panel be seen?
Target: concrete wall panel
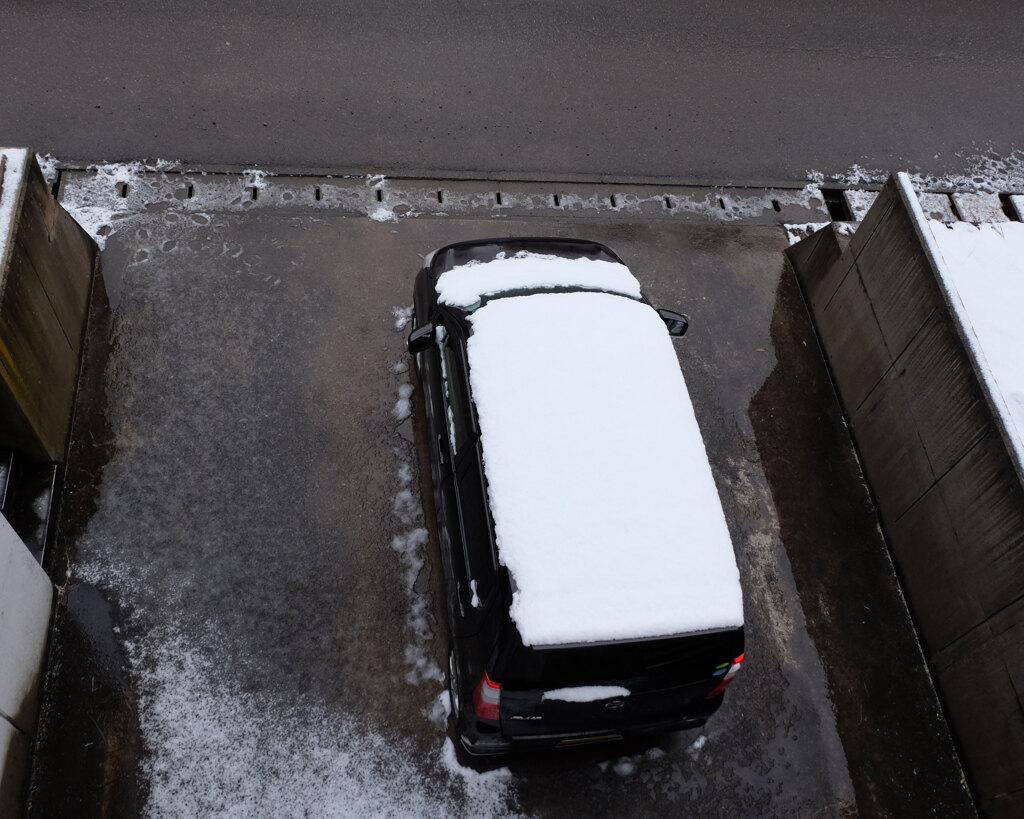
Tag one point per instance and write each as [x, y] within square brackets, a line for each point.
[45, 275]
[934, 373]
[821, 251]
[897, 281]
[935, 572]
[986, 506]
[26, 596]
[947, 491]
[905, 474]
[852, 342]
[990, 721]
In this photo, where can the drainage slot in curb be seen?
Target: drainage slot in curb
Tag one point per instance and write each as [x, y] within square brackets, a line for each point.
[1006, 203]
[255, 193]
[190, 192]
[838, 210]
[557, 200]
[380, 195]
[440, 197]
[317, 193]
[122, 189]
[721, 203]
[612, 201]
[668, 203]
[775, 204]
[497, 197]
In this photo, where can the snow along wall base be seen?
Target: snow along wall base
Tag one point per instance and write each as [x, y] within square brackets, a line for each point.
[946, 483]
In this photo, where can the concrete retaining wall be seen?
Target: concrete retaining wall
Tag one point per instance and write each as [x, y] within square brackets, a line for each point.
[26, 598]
[46, 266]
[946, 486]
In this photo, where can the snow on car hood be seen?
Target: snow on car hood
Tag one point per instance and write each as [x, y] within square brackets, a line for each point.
[465, 285]
[605, 508]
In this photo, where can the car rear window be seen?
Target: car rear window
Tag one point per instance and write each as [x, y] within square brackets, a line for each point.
[635, 664]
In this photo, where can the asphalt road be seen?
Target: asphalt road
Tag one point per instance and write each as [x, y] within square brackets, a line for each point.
[701, 92]
[253, 622]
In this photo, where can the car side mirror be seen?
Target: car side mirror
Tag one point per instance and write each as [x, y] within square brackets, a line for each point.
[675, 322]
[421, 339]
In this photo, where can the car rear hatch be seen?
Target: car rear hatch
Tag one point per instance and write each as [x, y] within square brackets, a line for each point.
[614, 688]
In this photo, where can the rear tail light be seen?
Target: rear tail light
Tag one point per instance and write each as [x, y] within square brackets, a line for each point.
[487, 698]
[734, 669]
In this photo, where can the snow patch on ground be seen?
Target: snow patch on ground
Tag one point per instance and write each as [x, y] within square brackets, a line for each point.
[50, 166]
[988, 173]
[216, 750]
[403, 406]
[243, 747]
[465, 285]
[440, 710]
[410, 542]
[597, 513]
[860, 202]
[96, 202]
[628, 765]
[382, 213]
[402, 316]
[479, 785]
[255, 178]
[795, 233]
[983, 265]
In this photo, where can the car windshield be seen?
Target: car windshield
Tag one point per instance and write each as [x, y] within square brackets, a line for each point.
[464, 286]
[530, 291]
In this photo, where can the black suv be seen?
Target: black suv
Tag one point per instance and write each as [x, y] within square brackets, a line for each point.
[521, 675]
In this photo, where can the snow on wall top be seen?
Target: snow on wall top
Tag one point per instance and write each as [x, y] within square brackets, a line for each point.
[605, 508]
[982, 267]
[14, 162]
[465, 285]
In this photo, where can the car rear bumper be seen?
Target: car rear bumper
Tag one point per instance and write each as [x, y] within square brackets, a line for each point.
[491, 744]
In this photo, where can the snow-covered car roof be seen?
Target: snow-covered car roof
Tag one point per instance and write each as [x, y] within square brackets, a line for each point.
[605, 508]
[464, 286]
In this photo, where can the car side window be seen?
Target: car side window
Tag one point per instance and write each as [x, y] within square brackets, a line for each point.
[456, 396]
[476, 524]
[472, 496]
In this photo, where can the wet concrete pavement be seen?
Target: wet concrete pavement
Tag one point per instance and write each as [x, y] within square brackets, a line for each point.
[254, 571]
